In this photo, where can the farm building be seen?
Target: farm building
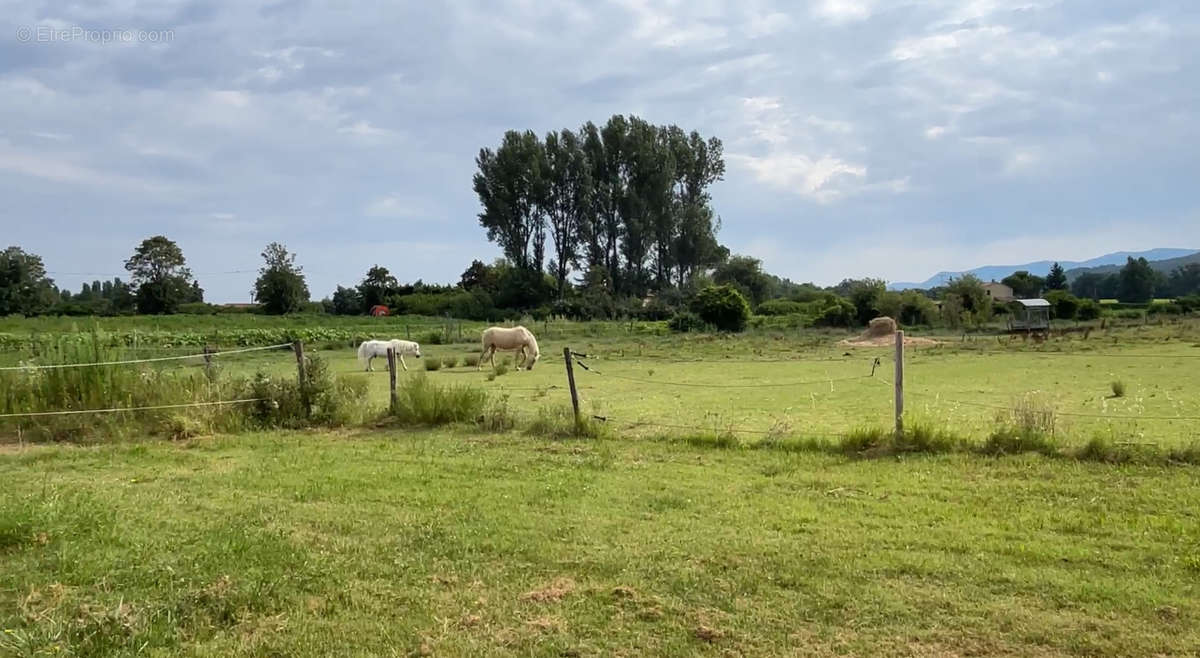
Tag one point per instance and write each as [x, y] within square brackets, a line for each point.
[998, 291]
[1029, 315]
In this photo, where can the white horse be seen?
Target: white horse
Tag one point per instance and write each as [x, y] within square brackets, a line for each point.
[517, 339]
[373, 348]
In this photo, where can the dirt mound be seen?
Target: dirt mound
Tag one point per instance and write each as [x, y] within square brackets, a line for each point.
[882, 332]
[883, 326]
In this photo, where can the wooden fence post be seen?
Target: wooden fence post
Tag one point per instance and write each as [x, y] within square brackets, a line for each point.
[571, 382]
[208, 360]
[391, 359]
[899, 382]
[298, 348]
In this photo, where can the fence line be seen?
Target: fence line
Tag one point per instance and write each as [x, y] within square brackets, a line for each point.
[826, 380]
[737, 430]
[128, 409]
[1073, 414]
[202, 355]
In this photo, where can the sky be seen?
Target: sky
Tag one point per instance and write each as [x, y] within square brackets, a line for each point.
[862, 137]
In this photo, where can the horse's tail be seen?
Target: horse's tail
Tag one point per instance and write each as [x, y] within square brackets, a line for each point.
[362, 352]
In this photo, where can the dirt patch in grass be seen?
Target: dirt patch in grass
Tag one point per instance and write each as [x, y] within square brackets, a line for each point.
[886, 341]
[555, 591]
[708, 633]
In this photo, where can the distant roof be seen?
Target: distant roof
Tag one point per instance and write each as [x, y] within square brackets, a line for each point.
[1032, 302]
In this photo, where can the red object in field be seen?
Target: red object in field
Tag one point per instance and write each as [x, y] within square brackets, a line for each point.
[379, 310]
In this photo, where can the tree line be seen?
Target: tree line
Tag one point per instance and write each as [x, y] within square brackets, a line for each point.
[159, 283]
[1136, 282]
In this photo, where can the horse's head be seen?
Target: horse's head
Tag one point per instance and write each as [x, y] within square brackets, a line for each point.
[417, 350]
[532, 346]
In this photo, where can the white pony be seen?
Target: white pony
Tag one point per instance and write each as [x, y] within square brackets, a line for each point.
[517, 339]
[373, 348]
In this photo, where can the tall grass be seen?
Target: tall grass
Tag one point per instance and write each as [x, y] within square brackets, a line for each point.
[105, 387]
[918, 436]
[1030, 425]
[559, 423]
[285, 402]
[322, 399]
[422, 402]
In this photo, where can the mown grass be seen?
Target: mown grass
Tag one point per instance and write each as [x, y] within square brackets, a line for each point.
[438, 543]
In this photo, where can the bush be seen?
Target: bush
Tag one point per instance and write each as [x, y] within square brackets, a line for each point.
[1089, 309]
[432, 363]
[838, 313]
[685, 321]
[915, 309]
[723, 307]
[332, 401]
[1118, 389]
[449, 362]
[471, 360]
[1188, 304]
[1063, 305]
[780, 307]
[198, 308]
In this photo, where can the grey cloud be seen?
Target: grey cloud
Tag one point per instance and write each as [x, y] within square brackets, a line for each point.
[301, 120]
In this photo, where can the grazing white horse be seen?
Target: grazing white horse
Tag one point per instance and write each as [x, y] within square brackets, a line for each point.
[517, 339]
[373, 348]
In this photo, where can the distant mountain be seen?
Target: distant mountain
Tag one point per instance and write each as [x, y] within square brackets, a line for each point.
[1042, 267]
[1165, 266]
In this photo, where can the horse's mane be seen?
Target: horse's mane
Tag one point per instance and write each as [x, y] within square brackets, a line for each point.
[532, 341]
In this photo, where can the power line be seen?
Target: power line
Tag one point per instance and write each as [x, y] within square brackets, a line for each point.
[127, 409]
[120, 274]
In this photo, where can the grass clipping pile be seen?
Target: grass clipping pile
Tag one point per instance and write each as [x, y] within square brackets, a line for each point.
[882, 332]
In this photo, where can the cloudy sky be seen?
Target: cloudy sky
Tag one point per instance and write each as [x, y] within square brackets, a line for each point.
[862, 137]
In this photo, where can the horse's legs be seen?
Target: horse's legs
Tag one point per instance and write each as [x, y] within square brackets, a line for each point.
[369, 359]
[521, 362]
[482, 357]
[404, 365]
[493, 357]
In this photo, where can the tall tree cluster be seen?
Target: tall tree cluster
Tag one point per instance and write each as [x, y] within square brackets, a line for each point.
[24, 287]
[626, 203]
[159, 271]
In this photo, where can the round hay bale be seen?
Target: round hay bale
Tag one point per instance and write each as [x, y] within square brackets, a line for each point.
[883, 326]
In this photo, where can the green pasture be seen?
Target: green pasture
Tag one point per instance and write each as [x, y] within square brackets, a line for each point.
[812, 385]
[452, 544]
[809, 383]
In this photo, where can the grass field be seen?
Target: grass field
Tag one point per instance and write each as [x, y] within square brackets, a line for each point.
[812, 386]
[434, 543]
[380, 540]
